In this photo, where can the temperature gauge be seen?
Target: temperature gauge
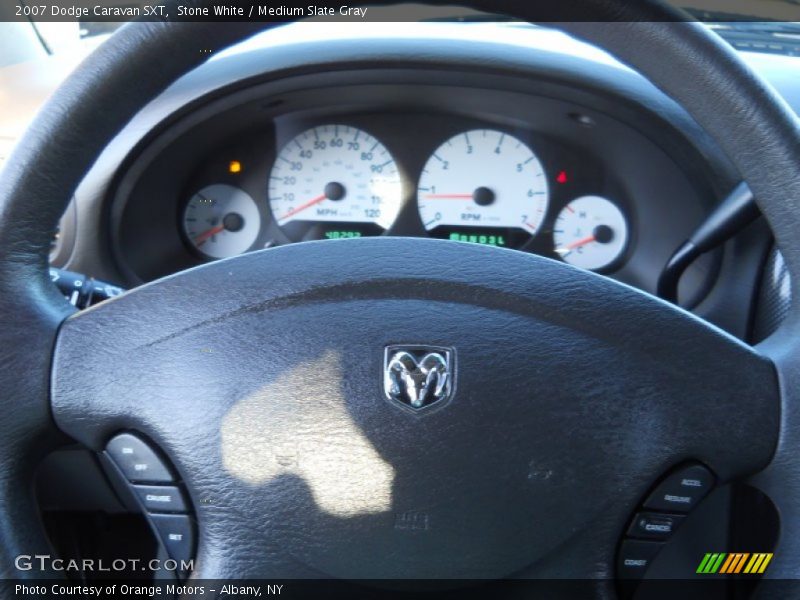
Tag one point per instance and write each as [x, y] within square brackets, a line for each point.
[591, 233]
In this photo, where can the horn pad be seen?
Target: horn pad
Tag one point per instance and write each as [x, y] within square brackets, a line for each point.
[551, 399]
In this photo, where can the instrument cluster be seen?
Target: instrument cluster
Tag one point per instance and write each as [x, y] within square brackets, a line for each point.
[460, 181]
[603, 190]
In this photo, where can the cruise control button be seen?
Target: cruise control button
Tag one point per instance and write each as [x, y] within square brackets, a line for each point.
[177, 535]
[682, 490]
[161, 498]
[137, 460]
[635, 558]
[654, 525]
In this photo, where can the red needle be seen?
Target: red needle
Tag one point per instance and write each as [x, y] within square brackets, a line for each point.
[308, 204]
[449, 196]
[201, 239]
[579, 243]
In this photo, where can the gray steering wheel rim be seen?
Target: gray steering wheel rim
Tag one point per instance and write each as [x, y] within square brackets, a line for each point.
[767, 137]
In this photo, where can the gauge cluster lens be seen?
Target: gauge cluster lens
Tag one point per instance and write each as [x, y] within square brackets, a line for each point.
[334, 182]
[338, 182]
[483, 186]
[591, 233]
[221, 221]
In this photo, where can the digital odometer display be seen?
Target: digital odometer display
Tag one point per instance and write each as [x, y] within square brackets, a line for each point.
[342, 235]
[480, 236]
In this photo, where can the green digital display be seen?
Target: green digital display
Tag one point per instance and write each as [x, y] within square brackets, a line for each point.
[486, 240]
[342, 235]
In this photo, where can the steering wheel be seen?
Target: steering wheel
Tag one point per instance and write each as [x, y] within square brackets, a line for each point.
[261, 378]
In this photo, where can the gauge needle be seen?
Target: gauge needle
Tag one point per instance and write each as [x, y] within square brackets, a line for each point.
[302, 207]
[203, 237]
[576, 244]
[449, 196]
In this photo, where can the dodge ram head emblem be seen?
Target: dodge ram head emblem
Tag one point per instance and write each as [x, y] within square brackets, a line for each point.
[418, 376]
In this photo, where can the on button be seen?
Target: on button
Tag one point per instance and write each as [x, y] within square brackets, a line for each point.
[137, 460]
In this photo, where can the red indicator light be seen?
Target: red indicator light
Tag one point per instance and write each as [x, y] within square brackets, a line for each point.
[562, 177]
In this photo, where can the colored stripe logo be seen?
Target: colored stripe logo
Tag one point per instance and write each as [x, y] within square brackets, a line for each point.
[734, 563]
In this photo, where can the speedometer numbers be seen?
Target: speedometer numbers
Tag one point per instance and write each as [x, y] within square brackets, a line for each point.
[332, 182]
[483, 186]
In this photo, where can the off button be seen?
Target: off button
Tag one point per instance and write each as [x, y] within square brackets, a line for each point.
[137, 461]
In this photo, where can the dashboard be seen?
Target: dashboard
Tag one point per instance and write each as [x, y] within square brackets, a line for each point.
[597, 130]
[419, 153]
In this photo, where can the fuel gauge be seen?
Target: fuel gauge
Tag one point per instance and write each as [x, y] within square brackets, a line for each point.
[590, 232]
[221, 221]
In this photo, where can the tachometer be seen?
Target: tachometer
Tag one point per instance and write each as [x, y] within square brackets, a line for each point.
[334, 181]
[483, 186]
[221, 220]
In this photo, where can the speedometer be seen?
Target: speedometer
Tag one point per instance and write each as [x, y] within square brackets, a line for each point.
[332, 182]
[483, 186]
